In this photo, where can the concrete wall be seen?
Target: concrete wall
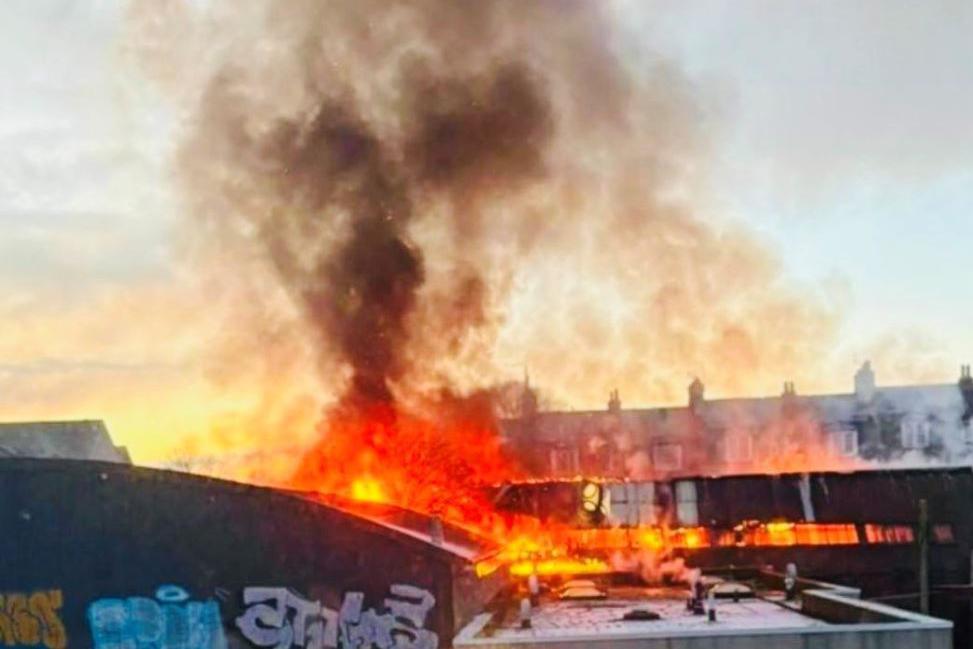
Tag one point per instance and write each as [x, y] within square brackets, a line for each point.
[835, 638]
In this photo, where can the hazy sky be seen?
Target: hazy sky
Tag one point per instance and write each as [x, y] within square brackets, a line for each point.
[846, 138]
[841, 135]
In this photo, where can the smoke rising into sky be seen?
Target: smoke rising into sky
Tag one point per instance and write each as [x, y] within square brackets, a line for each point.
[522, 196]
[437, 198]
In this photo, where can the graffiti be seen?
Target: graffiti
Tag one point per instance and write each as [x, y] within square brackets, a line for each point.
[266, 622]
[31, 620]
[401, 626]
[276, 617]
[172, 622]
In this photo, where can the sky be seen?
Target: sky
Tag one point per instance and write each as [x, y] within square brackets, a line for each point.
[840, 136]
[845, 139]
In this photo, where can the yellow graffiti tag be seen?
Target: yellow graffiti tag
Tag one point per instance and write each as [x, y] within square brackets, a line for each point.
[32, 620]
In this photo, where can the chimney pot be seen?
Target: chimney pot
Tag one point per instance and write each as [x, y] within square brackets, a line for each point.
[614, 401]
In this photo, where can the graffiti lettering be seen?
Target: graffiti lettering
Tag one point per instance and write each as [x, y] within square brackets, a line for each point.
[172, 622]
[276, 617]
[400, 626]
[32, 620]
[266, 622]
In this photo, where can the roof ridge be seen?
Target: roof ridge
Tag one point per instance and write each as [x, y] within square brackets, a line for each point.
[49, 422]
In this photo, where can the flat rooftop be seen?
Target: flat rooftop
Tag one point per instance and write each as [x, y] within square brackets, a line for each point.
[761, 618]
[605, 617]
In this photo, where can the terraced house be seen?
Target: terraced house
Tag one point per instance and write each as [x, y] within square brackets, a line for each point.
[872, 425]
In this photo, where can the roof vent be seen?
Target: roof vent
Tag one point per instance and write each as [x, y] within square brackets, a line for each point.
[436, 534]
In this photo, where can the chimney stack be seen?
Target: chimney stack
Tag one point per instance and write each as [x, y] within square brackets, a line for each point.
[614, 401]
[865, 383]
[697, 392]
[789, 399]
[528, 399]
[966, 388]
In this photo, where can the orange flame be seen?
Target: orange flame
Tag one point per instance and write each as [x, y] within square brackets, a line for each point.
[368, 489]
[378, 453]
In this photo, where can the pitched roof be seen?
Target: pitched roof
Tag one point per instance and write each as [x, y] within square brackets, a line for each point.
[450, 538]
[943, 401]
[78, 440]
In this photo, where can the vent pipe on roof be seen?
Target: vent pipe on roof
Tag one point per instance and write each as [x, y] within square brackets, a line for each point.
[525, 613]
[923, 557]
[436, 534]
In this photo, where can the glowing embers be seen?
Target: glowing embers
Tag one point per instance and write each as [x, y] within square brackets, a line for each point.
[573, 551]
[899, 534]
[747, 534]
[689, 538]
[549, 553]
[560, 566]
[889, 534]
[636, 538]
[786, 534]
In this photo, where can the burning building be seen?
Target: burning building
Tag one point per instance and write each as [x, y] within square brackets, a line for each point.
[98, 554]
[368, 192]
[873, 425]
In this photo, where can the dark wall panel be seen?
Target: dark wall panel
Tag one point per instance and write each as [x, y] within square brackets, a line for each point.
[88, 537]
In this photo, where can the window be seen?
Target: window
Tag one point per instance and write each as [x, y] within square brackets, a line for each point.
[786, 533]
[943, 533]
[667, 457]
[845, 442]
[887, 534]
[632, 503]
[592, 497]
[915, 433]
[686, 509]
[646, 499]
[621, 497]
